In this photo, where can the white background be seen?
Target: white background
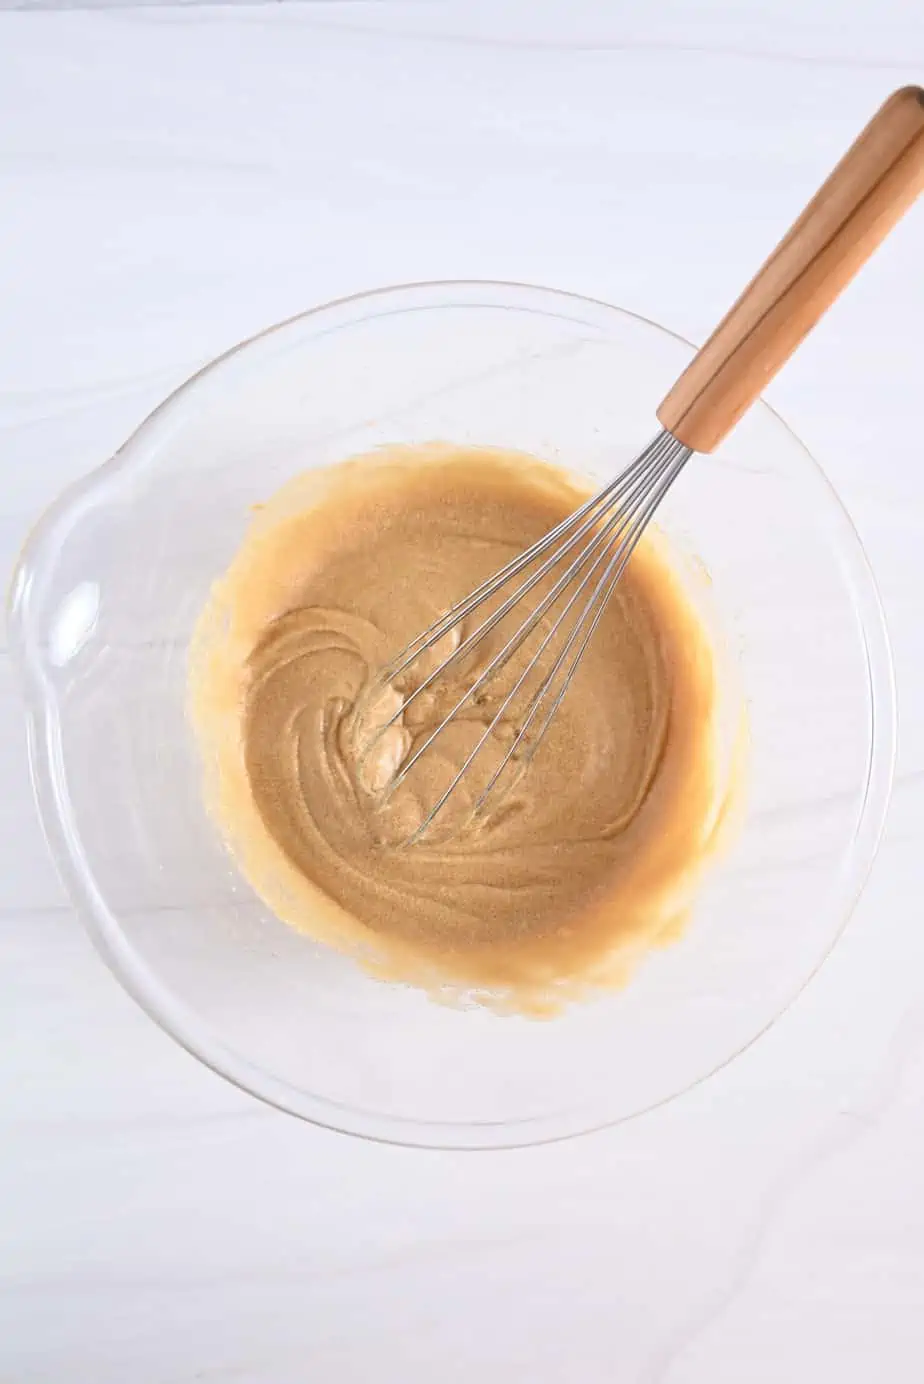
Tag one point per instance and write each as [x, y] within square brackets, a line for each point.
[171, 181]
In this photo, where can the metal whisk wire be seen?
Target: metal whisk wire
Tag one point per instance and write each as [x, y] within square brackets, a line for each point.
[614, 519]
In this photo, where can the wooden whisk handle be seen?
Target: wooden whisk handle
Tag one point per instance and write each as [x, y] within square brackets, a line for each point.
[873, 185]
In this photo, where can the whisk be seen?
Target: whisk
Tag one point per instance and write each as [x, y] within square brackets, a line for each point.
[575, 568]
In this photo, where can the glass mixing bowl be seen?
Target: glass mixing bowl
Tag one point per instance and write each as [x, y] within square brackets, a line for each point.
[111, 582]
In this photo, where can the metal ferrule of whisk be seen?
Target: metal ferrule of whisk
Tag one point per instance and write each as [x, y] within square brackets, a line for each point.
[588, 552]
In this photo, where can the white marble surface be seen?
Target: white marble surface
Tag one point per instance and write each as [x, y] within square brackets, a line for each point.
[171, 180]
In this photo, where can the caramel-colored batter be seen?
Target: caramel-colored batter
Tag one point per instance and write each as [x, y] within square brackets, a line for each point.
[581, 864]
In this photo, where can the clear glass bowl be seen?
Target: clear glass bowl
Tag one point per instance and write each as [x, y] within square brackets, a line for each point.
[111, 582]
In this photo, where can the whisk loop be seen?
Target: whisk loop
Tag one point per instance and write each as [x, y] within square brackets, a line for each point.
[597, 540]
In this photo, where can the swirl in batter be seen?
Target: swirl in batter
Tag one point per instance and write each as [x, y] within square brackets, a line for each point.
[588, 860]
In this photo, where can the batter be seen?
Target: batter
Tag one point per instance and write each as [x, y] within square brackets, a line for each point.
[581, 864]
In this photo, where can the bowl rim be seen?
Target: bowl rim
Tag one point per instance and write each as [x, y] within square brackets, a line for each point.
[174, 1016]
